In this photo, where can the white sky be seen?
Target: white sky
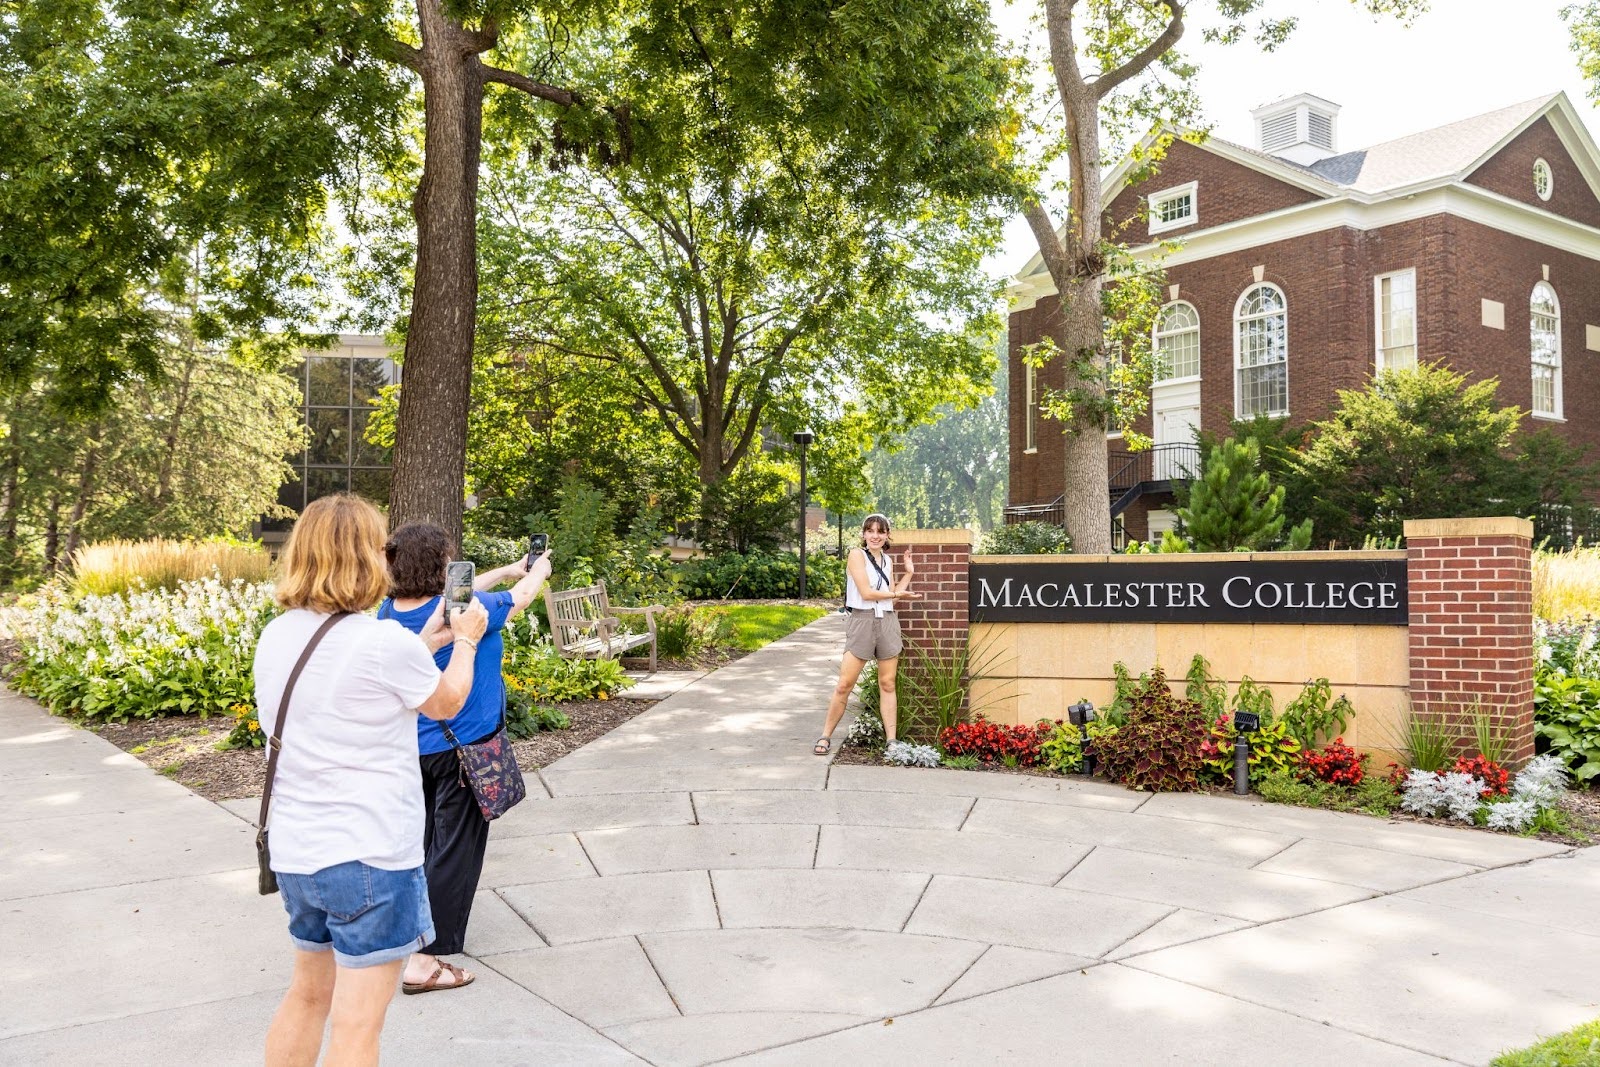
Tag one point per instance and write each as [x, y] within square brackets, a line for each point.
[1463, 58]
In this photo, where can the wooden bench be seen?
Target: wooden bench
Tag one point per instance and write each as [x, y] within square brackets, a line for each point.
[584, 625]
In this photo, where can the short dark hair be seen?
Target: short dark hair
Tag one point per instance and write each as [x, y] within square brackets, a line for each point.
[417, 554]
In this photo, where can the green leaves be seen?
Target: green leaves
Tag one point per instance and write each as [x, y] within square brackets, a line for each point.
[1233, 505]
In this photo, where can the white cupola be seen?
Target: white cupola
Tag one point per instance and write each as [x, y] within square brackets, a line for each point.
[1301, 129]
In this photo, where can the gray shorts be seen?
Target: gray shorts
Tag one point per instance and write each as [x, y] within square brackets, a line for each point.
[866, 636]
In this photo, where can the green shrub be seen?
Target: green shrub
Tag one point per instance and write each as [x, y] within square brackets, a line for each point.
[539, 674]
[489, 552]
[524, 718]
[1158, 748]
[1566, 713]
[1272, 751]
[761, 576]
[1025, 539]
[1063, 751]
[137, 655]
[1314, 717]
[960, 763]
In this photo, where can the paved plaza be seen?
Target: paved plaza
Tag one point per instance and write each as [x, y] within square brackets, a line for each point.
[696, 887]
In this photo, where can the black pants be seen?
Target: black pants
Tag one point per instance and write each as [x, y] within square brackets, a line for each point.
[454, 842]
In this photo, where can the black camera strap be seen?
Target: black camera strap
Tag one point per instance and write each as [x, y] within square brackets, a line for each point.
[887, 584]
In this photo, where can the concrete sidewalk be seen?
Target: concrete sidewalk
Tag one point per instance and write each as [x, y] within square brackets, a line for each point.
[697, 887]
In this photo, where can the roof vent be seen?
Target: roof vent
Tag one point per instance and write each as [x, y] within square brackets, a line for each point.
[1300, 128]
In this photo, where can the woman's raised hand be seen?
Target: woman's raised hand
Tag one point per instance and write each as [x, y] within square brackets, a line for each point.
[472, 622]
[907, 568]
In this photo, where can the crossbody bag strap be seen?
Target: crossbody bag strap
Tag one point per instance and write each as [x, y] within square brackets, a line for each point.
[275, 740]
[868, 553]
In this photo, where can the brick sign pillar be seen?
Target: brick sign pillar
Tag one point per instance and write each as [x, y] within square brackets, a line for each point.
[1471, 600]
[940, 556]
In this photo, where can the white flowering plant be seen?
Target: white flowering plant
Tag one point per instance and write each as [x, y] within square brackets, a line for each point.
[146, 652]
[1537, 789]
[907, 754]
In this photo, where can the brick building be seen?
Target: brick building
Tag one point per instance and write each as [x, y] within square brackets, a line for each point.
[1300, 270]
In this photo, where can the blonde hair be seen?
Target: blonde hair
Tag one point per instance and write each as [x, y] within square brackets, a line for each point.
[334, 560]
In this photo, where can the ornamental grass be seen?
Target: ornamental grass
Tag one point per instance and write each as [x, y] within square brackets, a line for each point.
[112, 567]
[1566, 584]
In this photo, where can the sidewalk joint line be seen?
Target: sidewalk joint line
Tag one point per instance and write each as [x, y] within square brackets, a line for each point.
[1075, 864]
[970, 808]
[694, 810]
[1290, 1012]
[913, 912]
[1275, 855]
[960, 976]
[664, 987]
[1140, 933]
[552, 1004]
[585, 849]
[716, 905]
[816, 849]
[538, 772]
[526, 921]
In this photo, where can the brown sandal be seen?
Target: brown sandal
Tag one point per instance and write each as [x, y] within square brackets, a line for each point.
[462, 978]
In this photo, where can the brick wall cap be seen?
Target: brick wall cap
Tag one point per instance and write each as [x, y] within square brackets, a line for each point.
[901, 538]
[1490, 527]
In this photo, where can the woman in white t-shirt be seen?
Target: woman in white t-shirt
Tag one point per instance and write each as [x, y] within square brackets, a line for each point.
[873, 630]
[346, 814]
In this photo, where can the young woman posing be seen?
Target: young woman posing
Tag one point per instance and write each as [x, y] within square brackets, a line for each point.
[873, 629]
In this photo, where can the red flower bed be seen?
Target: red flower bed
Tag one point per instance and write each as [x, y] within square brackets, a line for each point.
[1337, 763]
[1496, 778]
[991, 742]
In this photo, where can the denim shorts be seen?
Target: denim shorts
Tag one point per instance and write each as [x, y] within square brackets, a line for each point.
[366, 915]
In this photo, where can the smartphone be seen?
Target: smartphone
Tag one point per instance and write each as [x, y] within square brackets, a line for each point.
[537, 544]
[458, 579]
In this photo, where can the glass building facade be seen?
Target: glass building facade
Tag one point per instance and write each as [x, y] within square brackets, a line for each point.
[337, 388]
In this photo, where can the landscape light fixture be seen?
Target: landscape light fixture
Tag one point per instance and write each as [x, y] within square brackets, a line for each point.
[1081, 715]
[1245, 723]
[803, 438]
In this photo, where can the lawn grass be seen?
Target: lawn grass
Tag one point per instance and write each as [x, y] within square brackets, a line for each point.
[750, 626]
[1578, 1047]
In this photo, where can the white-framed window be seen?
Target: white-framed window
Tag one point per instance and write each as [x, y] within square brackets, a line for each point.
[1030, 406]
[1395, 300]
[1544, 182]
[1177, 342]
[1261, 352]
[1544, 343]
[1175, 207]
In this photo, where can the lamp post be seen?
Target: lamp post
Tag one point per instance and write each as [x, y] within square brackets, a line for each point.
[803, 438]
[1244, 724]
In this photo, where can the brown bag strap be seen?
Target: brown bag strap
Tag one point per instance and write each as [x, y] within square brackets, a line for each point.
[275, 740]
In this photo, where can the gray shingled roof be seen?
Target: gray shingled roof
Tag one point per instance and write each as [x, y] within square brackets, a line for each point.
[1435, 153]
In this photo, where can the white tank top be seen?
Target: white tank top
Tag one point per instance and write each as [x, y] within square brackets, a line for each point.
[884, 581]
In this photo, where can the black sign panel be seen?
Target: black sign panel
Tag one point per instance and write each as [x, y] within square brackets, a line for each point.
[1334, 590]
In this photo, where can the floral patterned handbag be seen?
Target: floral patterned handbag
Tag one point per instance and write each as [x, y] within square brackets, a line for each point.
[489, 769]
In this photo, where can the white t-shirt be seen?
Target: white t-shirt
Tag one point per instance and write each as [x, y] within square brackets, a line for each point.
[348, 785]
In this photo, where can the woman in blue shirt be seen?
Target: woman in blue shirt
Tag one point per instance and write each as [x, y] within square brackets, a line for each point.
[457, 834]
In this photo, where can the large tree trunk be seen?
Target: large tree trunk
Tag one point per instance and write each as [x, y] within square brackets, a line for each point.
[431, 429]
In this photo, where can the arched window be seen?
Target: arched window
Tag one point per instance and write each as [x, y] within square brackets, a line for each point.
[1177, 342]
[1261, 352]
[1544, 343]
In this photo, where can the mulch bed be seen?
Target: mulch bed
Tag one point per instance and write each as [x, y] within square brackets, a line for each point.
[184, 747]
[1581, 806]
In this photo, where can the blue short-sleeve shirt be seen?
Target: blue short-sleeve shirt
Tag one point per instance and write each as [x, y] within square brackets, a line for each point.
[480, 715]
